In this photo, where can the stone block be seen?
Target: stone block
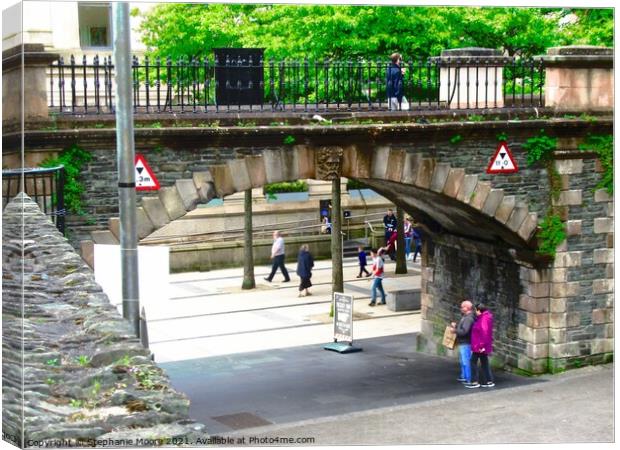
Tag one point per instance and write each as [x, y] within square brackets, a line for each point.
[557, 335]
[558, 320]
[103, 237]
[601, 195]
[440, 175]
[533, 335]
[426, 327]
[564, 350]
[573, 319]
[380, 161]
[602, 315]
[532, 365]
[479, 195]
[528, 227]
[567, 259]
[519, 213]
[602, 346]
[204, 185]
[454, 182]
[188, 193]
[114, 225]
[562, 246]
[537, 351]
[428, 274]
[569, 166]
[256, 171]
[240, 175]
[505, 208]
[404, 300]
[425, 173]
[603, 286]
[410, 168]
[533, 305]
[143, 223]
[87, 250]
[154, 209]
[537, 290]
[609, 330]
[558, 275]
[609, 271]
[172, 202]
[537, 320]
[603, 225]
[279, 165]
[569, 198]
[467, 188]
[610, 209]
[494, 199]
[610, 240]
[557, 305]
[573, 227]
[603, 256]
[426, 300]
[565, 289]
[396, 163]
[565, 182]
[534, 275]
[610, 301]
[304, 160]
[563, 212]
[222, 180]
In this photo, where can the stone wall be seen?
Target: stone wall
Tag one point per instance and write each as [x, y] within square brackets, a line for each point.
[86, 377]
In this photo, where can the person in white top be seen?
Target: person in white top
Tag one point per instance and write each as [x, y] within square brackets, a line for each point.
[277, 256]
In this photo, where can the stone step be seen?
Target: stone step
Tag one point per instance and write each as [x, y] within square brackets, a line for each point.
[87, 250]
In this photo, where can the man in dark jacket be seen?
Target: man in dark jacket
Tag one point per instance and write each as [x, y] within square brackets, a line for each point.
[305, 263]
[389, 222]
[394, 82]
[463, 339]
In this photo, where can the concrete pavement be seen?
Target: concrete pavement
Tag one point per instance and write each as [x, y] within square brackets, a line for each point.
[253, 366]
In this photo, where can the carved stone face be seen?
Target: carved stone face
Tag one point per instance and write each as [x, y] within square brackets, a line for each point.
[329, 163]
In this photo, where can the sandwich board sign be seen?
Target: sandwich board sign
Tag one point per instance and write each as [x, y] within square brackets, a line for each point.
[343, 325]
[145, 178]
[502, 161]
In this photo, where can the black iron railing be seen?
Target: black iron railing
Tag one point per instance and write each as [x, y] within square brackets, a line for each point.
[44, 186]
[204, 85]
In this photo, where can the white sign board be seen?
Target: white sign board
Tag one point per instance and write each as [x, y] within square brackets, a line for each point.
[153, 270]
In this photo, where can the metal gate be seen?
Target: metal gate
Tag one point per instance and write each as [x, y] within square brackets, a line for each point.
[44, 186]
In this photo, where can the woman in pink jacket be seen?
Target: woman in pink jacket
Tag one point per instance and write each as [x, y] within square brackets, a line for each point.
[481, 347]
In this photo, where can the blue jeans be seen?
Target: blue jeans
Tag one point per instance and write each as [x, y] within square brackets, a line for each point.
[377, 283]
[464, 360]
[407, 246]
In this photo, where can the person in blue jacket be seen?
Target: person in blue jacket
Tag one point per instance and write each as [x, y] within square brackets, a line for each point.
[305, 263]
[395, 81]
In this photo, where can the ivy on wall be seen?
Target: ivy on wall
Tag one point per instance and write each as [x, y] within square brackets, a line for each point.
[552, 231]
[603, 146]
[73, 158]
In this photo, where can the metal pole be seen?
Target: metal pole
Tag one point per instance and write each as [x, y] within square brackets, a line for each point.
[126, 170]
[337, 276]
[248, 265]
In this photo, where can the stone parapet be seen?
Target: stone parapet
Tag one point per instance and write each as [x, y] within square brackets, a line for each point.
[83, 372]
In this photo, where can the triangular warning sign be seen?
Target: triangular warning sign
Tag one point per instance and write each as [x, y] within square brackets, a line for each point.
[145, 178]
[502, 161]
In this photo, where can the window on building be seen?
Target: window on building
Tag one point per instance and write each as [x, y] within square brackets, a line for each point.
[95, 24]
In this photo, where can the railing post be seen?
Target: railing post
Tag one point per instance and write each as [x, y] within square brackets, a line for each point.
[457, 66]
[34, 68]
[579, 77]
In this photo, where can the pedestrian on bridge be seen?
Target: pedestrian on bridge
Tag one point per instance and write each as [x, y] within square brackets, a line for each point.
[395, 83]
[305, 263]
[481, 347]
[277, 256]
[463, 339]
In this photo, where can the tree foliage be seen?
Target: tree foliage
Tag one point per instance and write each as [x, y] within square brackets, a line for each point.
[370, 31]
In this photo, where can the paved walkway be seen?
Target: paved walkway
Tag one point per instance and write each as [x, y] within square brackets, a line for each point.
[253, 365]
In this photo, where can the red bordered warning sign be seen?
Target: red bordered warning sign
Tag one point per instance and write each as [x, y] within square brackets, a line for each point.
[502, 161]
[145, 178]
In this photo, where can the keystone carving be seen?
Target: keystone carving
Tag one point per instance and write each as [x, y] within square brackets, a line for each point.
[329, 163]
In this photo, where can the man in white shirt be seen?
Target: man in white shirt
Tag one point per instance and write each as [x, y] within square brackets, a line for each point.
[277, 256]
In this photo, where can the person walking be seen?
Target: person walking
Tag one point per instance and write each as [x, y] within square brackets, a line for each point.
[395, 81]
[481, 347]
[463, 339]
[305, 263]
[277, 256]
[377, 282]
[389, 223]
[361, 257]
[408, 229]
[417, 242]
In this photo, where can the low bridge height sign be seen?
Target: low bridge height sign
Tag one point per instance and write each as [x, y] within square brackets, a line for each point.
[502, 161]
[343, 325]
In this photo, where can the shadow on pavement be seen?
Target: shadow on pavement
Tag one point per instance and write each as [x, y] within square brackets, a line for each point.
[246, 390]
